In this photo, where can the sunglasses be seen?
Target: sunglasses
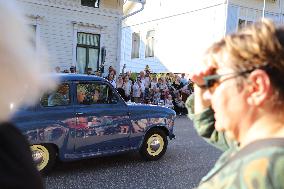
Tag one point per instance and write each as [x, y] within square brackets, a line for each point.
[212, 80]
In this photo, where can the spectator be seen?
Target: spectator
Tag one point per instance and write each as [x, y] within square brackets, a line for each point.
[169, 102]
[111, 71]
[65, 71]
[72, 69]
[156, 96]
[142, 87]
[142, 80]
[128, 73]
[137, 92]
[190, 86]
[163, 88]
[127, 86]
[179, 106]
[249, 66]
[183, 80]
[147, 82]
[98, 73]
[185, 92]
[90, 71]
[119, 87]
[177, 84]
[111, 80]
[57, 69]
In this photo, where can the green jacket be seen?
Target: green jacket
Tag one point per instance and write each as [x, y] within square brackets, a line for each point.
[257, 168]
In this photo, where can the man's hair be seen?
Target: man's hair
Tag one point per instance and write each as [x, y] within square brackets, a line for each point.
[261, 45]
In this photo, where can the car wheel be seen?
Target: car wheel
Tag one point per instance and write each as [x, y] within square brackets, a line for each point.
[154, 145]
[44, 156]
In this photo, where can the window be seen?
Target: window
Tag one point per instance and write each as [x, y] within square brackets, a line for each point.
[33, 37]
[90, 3]
[243, 23]
[150, 39]
[59, 97]
[87, 52]
[135, 45]
[249, 23]
[95, 93]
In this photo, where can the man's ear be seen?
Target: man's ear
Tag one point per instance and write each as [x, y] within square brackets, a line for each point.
[259, 87]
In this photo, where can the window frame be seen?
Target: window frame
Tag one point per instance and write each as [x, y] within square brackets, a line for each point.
[87, 47]
[135, 47]
[150, 52]
[57, 106]
[247, 22]
[111, 89]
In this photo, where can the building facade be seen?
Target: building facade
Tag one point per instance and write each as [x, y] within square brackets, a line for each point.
[81, 33]
[171, 36]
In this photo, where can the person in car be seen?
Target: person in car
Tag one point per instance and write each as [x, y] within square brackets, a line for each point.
[59, 97]
[238, 104]
[81, 95]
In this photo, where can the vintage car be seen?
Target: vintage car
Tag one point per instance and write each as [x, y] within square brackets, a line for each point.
[86, 117]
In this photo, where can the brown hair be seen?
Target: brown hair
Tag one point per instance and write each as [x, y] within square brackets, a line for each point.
[261, 45]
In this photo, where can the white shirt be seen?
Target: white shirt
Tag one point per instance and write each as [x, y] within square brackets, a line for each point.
[136, 90]
[147, 82]
[113, 83]
[153, 85]
[184, 81]
[127, 88]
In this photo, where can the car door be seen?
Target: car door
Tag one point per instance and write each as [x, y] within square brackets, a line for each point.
[103, 123]
[56, 116]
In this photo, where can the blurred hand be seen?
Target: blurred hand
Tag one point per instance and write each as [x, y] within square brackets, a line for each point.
[197, 76]
[200, 104]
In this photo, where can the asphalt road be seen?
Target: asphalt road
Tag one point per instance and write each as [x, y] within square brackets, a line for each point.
[186, 161]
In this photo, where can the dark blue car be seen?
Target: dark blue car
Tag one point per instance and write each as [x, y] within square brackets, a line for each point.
[86, 117]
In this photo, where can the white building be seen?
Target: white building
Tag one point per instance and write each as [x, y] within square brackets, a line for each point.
[173, 35]
[77, 32]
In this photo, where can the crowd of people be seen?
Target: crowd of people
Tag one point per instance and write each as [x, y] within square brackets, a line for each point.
[170, 90]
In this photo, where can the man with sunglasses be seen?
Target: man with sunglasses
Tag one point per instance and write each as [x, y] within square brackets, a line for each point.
[238, 107]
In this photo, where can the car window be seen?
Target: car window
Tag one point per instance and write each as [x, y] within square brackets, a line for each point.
[59, 97]
[95, 93]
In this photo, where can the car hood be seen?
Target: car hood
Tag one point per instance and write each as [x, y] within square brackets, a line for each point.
[150, 110]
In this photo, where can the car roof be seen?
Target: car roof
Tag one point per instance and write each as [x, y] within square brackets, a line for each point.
[76, 77]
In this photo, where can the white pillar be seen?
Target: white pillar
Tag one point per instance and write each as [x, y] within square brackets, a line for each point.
[263, 10]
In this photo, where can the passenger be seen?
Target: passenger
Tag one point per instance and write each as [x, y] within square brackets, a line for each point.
[81, 95]
[240, 92]
[60, 97]
[22, 83]
[96, 97]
